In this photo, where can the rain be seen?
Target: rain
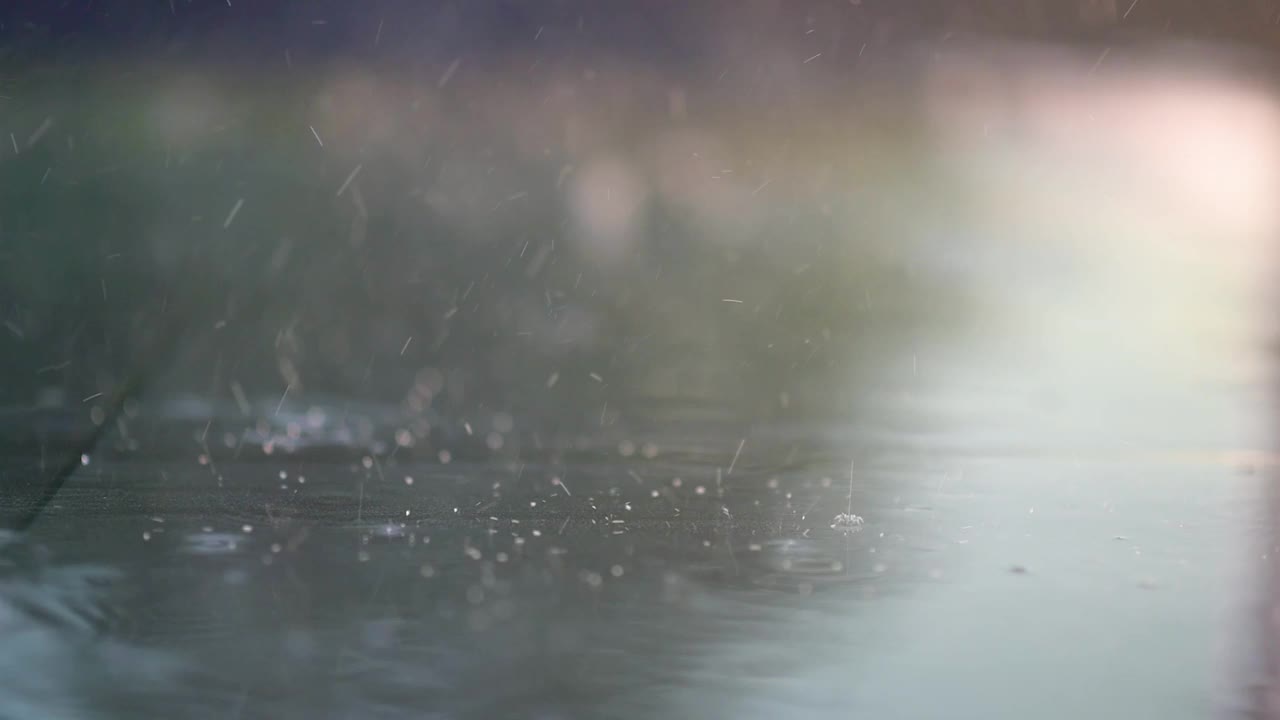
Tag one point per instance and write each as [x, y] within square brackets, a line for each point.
[547, 360]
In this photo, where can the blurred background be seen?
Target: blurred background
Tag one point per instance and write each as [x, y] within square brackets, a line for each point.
[486, 337]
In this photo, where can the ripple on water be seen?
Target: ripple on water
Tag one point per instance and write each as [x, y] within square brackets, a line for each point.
[213, 543]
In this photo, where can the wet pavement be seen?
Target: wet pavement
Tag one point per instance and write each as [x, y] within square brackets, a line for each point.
[691, 575]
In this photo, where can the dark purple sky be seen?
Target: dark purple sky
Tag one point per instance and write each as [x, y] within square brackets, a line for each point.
[669, 30]
[246, 29]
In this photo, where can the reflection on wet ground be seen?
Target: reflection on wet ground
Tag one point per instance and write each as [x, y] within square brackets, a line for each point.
[598, 582]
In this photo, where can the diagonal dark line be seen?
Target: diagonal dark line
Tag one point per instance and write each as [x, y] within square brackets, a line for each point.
[155, 356]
